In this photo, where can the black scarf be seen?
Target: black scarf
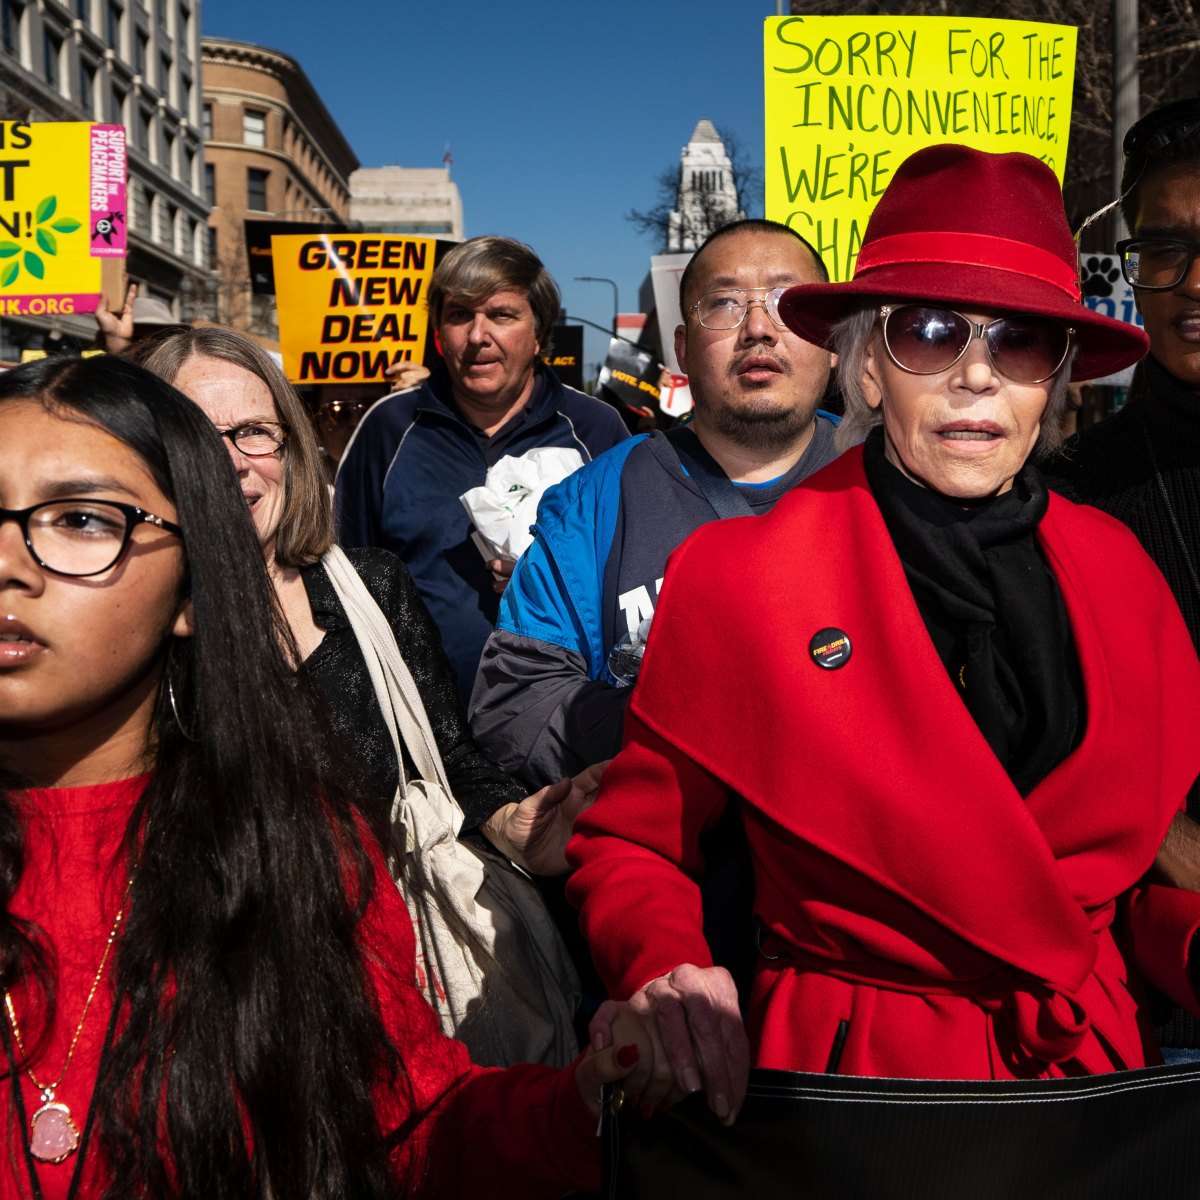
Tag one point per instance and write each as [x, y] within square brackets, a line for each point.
[993, 610]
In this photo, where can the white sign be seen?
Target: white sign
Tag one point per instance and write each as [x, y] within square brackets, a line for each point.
[1106, 292]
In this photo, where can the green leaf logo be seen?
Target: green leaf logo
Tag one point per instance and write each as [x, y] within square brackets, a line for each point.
[47, 243]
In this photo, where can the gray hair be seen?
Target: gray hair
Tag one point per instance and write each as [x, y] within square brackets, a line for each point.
[851, 338]
[306, 524]
[476, 268]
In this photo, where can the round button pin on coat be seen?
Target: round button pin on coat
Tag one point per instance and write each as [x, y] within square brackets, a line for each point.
[830, 648]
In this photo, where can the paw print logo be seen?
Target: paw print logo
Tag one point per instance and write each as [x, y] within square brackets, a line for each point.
[1101, 275]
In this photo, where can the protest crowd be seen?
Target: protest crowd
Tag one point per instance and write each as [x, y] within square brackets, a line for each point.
[360, 837]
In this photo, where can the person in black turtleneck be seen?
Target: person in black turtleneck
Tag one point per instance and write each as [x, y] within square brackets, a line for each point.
[1143, 464]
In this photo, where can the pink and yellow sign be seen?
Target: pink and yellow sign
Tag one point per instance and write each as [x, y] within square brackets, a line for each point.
[62, 212]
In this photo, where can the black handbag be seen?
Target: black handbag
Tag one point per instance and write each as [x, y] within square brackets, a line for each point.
[1125, 1135]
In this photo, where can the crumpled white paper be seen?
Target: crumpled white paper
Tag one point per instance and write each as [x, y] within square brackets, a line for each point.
[506, 505]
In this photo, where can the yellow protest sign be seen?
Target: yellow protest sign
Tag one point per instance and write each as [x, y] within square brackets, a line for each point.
[62, 211]
[350, 305]
[850, 98]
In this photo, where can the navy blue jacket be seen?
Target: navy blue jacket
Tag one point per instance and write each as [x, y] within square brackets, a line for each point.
[409, 461]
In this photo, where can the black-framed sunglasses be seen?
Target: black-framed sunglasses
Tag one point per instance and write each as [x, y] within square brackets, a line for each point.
[726, 308]
[257, 439]
[924, 339]
[1156, 264]
[338, 412]
[81, 537]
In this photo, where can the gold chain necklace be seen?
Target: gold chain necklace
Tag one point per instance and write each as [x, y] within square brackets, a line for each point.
[53, 1135]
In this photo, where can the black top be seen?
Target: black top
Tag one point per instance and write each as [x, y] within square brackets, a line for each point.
[338, 669]
[1113, 466]
[993, 610]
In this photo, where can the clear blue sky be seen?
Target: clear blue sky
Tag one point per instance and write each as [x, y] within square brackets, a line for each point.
[559, 117]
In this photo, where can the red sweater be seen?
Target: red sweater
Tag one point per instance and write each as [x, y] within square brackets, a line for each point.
[522, 1132]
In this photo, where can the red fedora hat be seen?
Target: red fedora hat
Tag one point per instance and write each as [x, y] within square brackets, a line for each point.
[971, 230]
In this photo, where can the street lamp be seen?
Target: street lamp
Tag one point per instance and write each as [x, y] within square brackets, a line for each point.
[612, 284]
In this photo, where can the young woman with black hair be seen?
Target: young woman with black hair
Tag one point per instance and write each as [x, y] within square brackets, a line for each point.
[207, 972]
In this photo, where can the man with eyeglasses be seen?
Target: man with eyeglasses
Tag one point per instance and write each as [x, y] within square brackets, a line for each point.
[551, 691]
[1143, 464]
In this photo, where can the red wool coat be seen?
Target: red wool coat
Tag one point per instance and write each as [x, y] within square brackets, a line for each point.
[912, 898]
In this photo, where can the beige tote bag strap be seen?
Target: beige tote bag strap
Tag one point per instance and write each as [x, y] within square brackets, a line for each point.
[399, 700]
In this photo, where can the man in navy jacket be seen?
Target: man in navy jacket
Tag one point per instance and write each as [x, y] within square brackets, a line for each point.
[493, 306]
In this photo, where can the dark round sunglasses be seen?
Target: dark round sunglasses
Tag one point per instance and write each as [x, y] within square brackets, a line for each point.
[925, 339]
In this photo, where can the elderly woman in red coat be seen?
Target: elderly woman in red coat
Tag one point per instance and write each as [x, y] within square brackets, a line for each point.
[957, 713]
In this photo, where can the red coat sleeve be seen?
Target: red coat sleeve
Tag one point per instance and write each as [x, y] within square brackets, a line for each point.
[1163, 923]
[637, 860]
[462, 1130]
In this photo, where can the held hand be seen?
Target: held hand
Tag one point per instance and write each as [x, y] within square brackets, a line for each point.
[700, 1027]
[501, 569]
[116, 328]
[625, 1054]
[535, 832]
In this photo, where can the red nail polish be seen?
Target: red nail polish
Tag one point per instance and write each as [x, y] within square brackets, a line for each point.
[627, 1056]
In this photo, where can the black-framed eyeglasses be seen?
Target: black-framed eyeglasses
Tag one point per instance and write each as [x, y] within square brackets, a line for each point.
[1156, 264]
[81, 537]
[257, 439]
[924, 339]
[727, 307]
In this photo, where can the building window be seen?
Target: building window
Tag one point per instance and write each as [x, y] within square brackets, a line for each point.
[166, 232]
[115, 16]
[212, 248]
[141, 44]
[83, 10]
[141, 212]
[143, 140]
[256, 189]
[87, 87]
[164, 74]
[206, 122]
[10, 26]
[254, 127]
[53, 59]
[210, 185]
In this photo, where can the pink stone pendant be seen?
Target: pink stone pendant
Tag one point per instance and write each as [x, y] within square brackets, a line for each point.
[53, 1136]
